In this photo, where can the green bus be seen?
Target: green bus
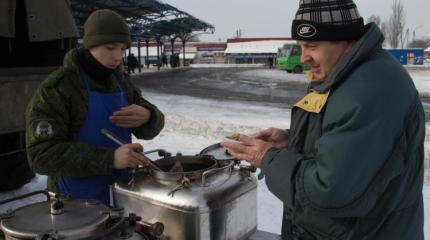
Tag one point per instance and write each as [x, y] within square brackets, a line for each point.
[289, 58]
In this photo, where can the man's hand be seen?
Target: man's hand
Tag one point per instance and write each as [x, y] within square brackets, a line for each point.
[131, 116]
[249, 149]
[128, 155]
[278, 137]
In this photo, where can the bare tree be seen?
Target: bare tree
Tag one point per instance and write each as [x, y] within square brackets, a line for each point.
[395, 25]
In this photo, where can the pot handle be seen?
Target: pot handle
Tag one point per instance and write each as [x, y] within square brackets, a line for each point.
[213, 170]
[161, 152]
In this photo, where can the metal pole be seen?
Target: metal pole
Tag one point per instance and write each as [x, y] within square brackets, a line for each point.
[147, 53]
[172, 41]
[158, 53]
[127, 59]
[183, 50]
[138, 55]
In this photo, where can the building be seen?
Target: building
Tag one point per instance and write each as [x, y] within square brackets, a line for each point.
[427, 53]
[210, 52]
[195, 52]
[253, 50]
[408, 56]
[152, 53]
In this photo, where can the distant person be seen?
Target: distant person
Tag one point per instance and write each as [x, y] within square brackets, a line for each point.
[132, 63]
[164, 60]
[171, 61]
[177, 60]
[275, 61]
[174, 60]
[351, 165]
[88, 93]
[270, 62]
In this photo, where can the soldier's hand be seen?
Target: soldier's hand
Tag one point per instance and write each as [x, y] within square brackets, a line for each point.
[250, 149]
[128, 156]
[131, 116]
[278, 137]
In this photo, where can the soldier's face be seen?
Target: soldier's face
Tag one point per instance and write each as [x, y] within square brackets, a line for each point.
[109, 55]
[322, 56]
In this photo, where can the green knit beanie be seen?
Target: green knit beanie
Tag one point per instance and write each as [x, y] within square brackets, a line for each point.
[105, 26]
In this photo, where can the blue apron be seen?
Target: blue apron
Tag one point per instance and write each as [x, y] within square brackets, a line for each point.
[100, 107]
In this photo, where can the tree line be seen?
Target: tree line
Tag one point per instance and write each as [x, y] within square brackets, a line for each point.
[395, 31]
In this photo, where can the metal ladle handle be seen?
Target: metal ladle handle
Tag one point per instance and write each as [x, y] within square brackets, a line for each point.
[121, 142]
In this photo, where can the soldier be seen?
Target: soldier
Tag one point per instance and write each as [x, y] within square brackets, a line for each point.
[88, 93]
[132, 63]
[351, 166]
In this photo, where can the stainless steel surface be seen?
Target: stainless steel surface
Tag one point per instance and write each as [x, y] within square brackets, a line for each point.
[80, 219]
[223, 165]
[121, 142]
[225, 208]
[217, 151]
[128, 233]
[262, 235]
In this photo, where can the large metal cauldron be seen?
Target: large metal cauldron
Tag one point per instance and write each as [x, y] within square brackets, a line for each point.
[75, 219]
[209, 200]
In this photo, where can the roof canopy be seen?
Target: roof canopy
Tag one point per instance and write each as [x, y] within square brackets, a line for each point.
[148, 19]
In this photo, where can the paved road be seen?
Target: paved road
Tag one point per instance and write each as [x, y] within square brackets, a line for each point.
[232, 84]
[222, 83]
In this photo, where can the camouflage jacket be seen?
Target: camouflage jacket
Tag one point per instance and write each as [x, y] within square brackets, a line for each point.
[59, 107]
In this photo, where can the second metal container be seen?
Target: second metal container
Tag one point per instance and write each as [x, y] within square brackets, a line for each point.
[215, 201]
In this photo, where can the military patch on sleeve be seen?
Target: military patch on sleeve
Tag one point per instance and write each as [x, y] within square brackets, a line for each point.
[43, 129]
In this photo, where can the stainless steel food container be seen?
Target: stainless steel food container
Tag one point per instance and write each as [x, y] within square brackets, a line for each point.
[211, 200]
[70, 219]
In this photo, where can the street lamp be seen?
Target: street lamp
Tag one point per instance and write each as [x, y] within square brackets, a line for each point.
[413, 33]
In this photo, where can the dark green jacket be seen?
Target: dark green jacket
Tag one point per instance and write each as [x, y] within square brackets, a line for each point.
[354, 165]
[62, 101]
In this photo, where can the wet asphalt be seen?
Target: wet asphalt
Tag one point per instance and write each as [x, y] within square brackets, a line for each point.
[222, 83]
[230, 84]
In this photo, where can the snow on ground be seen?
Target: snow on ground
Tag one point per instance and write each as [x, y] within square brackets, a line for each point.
[193, 124]
[272, 76]
[422, 80]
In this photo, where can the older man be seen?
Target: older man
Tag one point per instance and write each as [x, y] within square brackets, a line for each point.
[88, 93]
[351, 166]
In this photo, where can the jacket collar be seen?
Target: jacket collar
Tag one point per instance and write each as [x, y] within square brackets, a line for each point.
[362, 49]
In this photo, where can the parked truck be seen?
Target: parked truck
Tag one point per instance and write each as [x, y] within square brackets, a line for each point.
[34, 36]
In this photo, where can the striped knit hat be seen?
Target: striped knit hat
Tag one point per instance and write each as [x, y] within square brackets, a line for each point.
[327, 20]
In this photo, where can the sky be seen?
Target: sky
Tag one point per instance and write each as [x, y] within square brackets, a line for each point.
[272, 18]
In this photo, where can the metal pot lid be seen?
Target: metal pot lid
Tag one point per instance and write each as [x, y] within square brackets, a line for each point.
[80, 219]
[218, 152]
